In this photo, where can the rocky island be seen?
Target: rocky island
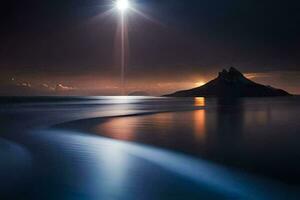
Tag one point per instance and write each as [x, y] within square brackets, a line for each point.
[231, 83]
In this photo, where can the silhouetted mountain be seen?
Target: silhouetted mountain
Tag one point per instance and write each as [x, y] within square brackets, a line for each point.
[231, 83]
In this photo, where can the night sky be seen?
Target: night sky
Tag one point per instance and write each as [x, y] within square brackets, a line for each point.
[69, 47]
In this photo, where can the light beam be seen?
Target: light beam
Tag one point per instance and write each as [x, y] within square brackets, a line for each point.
[122, 6]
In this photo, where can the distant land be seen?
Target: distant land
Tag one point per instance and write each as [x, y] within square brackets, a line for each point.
[231, 83]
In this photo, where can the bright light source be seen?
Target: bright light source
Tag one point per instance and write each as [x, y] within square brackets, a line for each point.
[122, 5]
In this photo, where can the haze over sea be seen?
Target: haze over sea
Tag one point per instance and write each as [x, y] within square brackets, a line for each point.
[130, 148]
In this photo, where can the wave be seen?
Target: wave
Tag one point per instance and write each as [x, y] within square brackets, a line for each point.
[101, 155]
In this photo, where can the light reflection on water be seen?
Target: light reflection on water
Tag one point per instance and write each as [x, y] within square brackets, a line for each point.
[121, 128]
[119, 170]
[199, 101]
[200, 125]
[258, 136]
[245, 133]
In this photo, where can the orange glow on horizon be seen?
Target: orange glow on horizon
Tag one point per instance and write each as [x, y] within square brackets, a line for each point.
[200, 83]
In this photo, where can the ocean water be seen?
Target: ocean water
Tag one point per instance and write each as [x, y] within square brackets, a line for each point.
[149, 148]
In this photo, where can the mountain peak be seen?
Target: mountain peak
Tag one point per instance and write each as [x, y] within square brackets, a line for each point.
[231, 75]
[231, 83]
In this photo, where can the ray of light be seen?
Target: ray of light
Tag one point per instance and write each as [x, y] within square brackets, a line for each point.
[122, 33]
[123, 53]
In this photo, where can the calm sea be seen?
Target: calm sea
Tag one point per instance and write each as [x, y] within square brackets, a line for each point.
[149, 148]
